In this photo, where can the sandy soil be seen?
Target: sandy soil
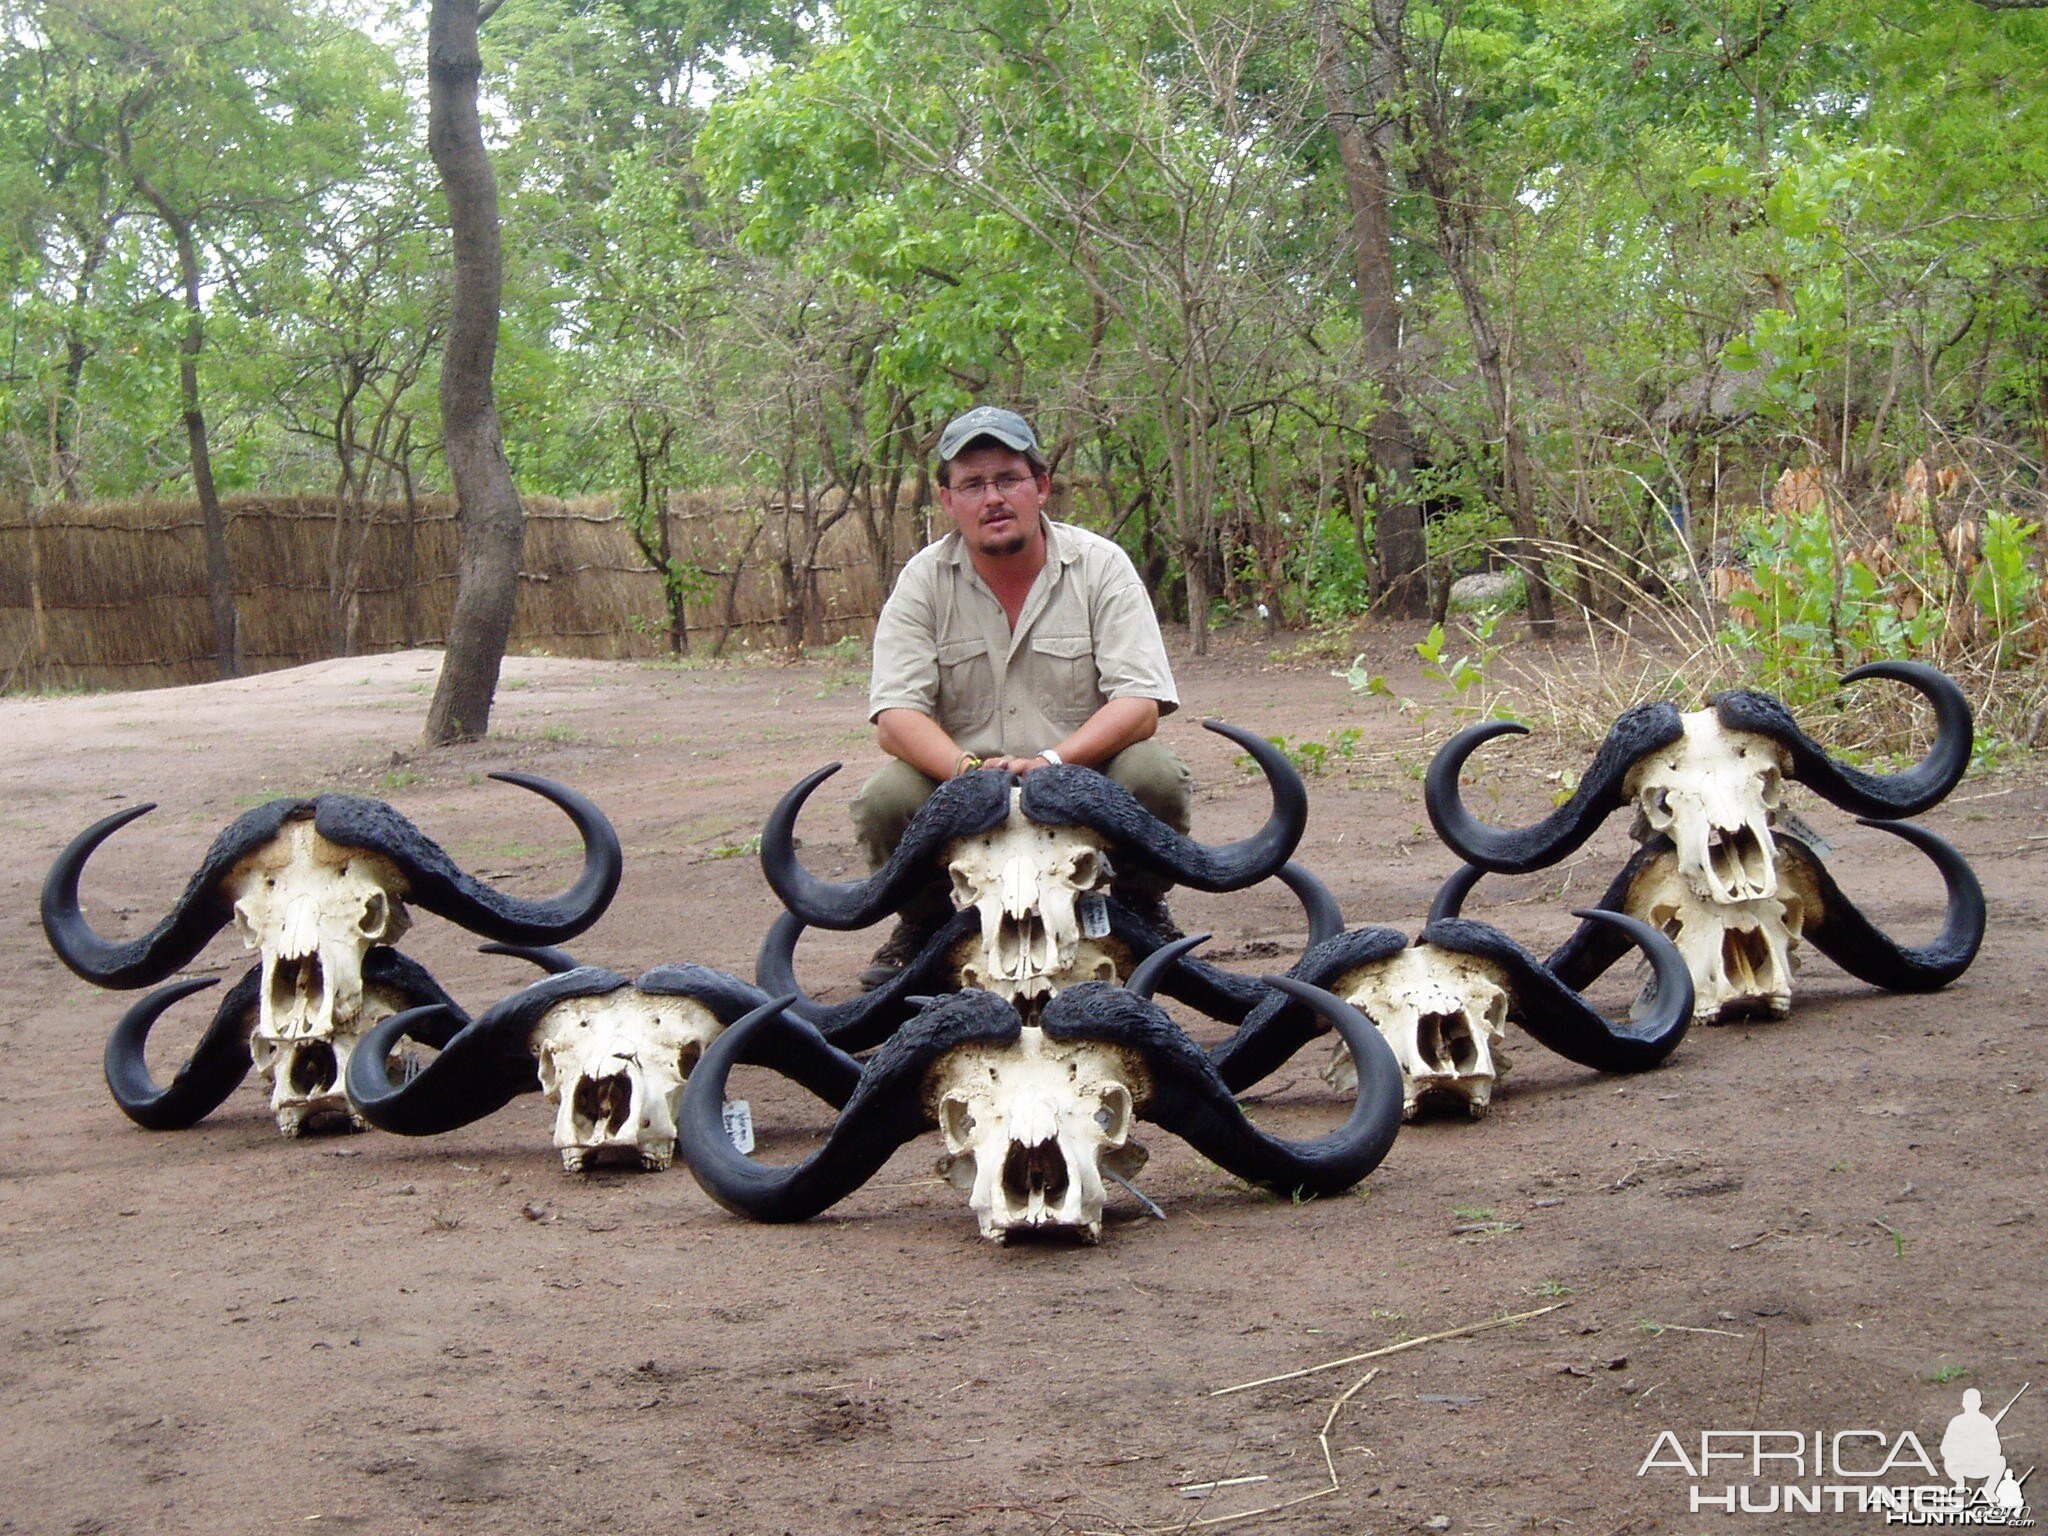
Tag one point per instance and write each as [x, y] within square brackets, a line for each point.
[1822, 1225]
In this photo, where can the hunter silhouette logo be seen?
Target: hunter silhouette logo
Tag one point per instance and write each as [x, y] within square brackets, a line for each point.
[1855, 1471]
[1971, 1453]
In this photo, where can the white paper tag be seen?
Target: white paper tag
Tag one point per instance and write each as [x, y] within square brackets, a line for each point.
[739, 1124]
[1093, 910]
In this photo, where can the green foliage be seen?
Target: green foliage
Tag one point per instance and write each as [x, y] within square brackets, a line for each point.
[772, 248]
[1815, 608]
[1468, 669]
[1311, 758]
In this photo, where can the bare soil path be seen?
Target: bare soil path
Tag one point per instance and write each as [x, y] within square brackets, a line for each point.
[1828, 1224]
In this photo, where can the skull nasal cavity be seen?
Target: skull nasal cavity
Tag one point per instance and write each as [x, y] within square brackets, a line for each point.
[298, 983]
[1745, 957]
[1019, 941]
[1040, 1170]
[313, 1072]
[605, 1103]
[1734, 851]
[1445, 1041]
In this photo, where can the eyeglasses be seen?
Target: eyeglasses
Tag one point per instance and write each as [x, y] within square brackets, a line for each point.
[1008, 485]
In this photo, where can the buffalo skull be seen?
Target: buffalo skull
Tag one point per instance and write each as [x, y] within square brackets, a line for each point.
[1034, 1115]
[1445, 1014]
[1032, 867]
[1716, 869]
[319, 888]
[1029, 883]
[612, 1056]
[1444, 1001]
[1743, 956]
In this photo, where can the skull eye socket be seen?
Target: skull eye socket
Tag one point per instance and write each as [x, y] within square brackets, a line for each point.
[963, 885]
[1114, 1114]
[1771, 787]
[1086, 869]
[956, 1120]
[376, 915]
[1657, 806]
[688, 1056]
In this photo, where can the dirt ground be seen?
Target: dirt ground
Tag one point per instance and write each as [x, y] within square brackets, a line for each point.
[1824, 1225]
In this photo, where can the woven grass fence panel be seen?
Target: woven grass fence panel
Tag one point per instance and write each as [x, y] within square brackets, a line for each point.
[113, 594]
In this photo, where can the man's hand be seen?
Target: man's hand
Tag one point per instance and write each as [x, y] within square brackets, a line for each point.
[1018, 765]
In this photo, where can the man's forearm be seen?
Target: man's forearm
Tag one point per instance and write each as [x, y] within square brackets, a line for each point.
[919, 741]
[1118, 724]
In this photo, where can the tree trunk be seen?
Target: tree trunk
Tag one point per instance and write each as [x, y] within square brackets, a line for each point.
[491, 523]
[220, 572]
[1400, 542]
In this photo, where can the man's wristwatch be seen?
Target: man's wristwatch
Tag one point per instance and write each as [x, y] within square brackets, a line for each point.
[1052, 757]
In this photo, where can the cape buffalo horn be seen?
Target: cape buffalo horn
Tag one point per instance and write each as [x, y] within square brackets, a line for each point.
[867, 1020]
[1145, 978]
[484, 1066]
[216, 1067]
[440, 887]
[885, 1111]
[1279, 1025]
[1450, 896]
[1593, 947]
[1073, 796]
[1563, 1020]
[1642, 729]
[141, 962]
[1325, 917]
[556, 962]
[1884, 797]
[1847, 937]
[1189, 1099]
[960, 807]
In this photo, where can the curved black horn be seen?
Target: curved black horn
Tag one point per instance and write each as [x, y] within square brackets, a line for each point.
[885, 1111]
[1847, 937]
[1145, 978]
[1325, 917]
[487, 1064]
[198, 916]
[556, 962]
[799, 1055]
[869, 1019]
[1564, 1021]
[1640, 730]
[1883, 797]
[1074, 796]
[215, 1068]
[1594, 946]
[1188, 1098]
[436, 883]
[1450, 896]
[1279, 1026]
[963, 807]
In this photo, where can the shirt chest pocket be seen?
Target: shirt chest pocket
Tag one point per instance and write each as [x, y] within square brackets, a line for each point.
[1065, 678]
[967, 685]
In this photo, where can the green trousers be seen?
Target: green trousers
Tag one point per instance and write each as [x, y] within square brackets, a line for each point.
[1155, 776]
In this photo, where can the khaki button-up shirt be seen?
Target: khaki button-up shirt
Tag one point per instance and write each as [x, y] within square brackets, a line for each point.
[944, 646]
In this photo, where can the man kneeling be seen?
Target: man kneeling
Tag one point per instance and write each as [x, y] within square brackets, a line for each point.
[1013, 642]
